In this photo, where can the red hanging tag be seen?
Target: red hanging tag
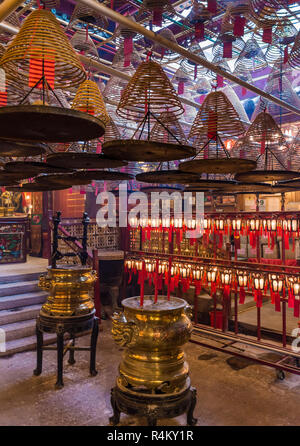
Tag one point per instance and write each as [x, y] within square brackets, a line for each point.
[195, 72]
[99, 147]
[244, 91]
[212, 125]
[128, 49]
[157, 17]
[199, 30]
[226, 291]
[262, 147]
[238, 26]
[180, 89]
[220, 244]
[220, 81]
[142, 284]
[290, 299]
[286, 241]
[242, 295]
[286, 54]
[277, 302]
[227, 50]
[212, 6]
[267, 35]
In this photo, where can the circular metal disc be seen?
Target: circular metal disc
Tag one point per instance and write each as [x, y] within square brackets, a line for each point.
[210, 184]
[61, 179]
[32, 168]
[167, 177]
[149, 189]
[218, 165]
[34, 187]
[248, 188]
[50, 124]
[266, 175]
[291, 183]
[100, 175]
[83, 160]
[136, 150]
[10, 176]
[14, 148]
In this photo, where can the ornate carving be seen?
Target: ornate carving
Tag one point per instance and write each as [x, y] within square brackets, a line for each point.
[123, 331]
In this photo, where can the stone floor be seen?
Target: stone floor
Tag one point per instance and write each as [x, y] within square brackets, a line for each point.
[230, 392]
[33, 265]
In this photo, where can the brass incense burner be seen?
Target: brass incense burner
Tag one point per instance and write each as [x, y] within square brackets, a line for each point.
[71, 291]
[153, 375]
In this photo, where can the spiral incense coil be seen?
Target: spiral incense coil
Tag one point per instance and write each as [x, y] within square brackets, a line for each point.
[125, 31]
[149, 90]
[268, 12]
[165, 54]
[294, 58]
[168, 130]
[41, 46]
[251, 57]
[111, 131]
[216, 115]
[88, 15]
[88, 99]
[264, 129]
[82, 42]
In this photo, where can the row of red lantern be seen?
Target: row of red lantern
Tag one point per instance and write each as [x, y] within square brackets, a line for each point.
[171, 273]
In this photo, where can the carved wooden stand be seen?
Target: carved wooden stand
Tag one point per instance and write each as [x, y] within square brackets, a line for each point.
[152, 406]
[60, 326]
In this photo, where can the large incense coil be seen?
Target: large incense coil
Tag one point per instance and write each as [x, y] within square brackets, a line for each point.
[219, 166]
[216, 115]
[42, 38]
[188, 65]
[111, 131]
[83, 160]
[48, 124]
[32, 168]
[264, 130]
[251, 58]
[150, 85]
[294, 58]
[14, 90]
[87, 15]
[82, 42]
[168, 129]
[266, 175]
[284, 34]
[153, 6]
[268, 12]
[167, 177]
[165, 54]
[140, 150]
[14, 148]
[88, 99]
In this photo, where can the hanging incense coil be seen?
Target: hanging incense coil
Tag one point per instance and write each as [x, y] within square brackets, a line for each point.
[88, 99]
[268, 12]
[167, 177]
[125, 31]
[140, 150]
[164, 54]
[220, 166]
[83, 160]
[190, 66]
[149, 89]
[111, 131]
[284, 35]
[41, 38]
[87, 15]
[156, 8]
[82, 42]
[251, 58]
[14, 148]
[198, 17]
[216, 115]
[32, 168]
[266, 175]
[168, 129]
[294, 58]
[264, 130]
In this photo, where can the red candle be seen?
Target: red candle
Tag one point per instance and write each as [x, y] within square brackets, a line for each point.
[156, 282]
[142, 285]
[169, 277]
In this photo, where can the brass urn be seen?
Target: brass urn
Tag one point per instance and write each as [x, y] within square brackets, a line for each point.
[71, 291]
[153, 360]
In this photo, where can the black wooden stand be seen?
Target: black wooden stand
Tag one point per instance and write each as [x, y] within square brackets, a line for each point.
[60, 326]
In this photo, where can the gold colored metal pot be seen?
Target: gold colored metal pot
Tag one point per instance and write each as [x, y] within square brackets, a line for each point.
[71, 291]
[9, 211]
[153, 335]
[2, 211]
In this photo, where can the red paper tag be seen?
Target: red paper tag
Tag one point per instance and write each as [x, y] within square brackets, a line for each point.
[199, 30]
[157, 17]
[36, 68]
[227, 50]
[267, 35]
[286, 54]
[180, 87]
[239, 25]
[220, 81]
[3, 98]
[212, 6]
